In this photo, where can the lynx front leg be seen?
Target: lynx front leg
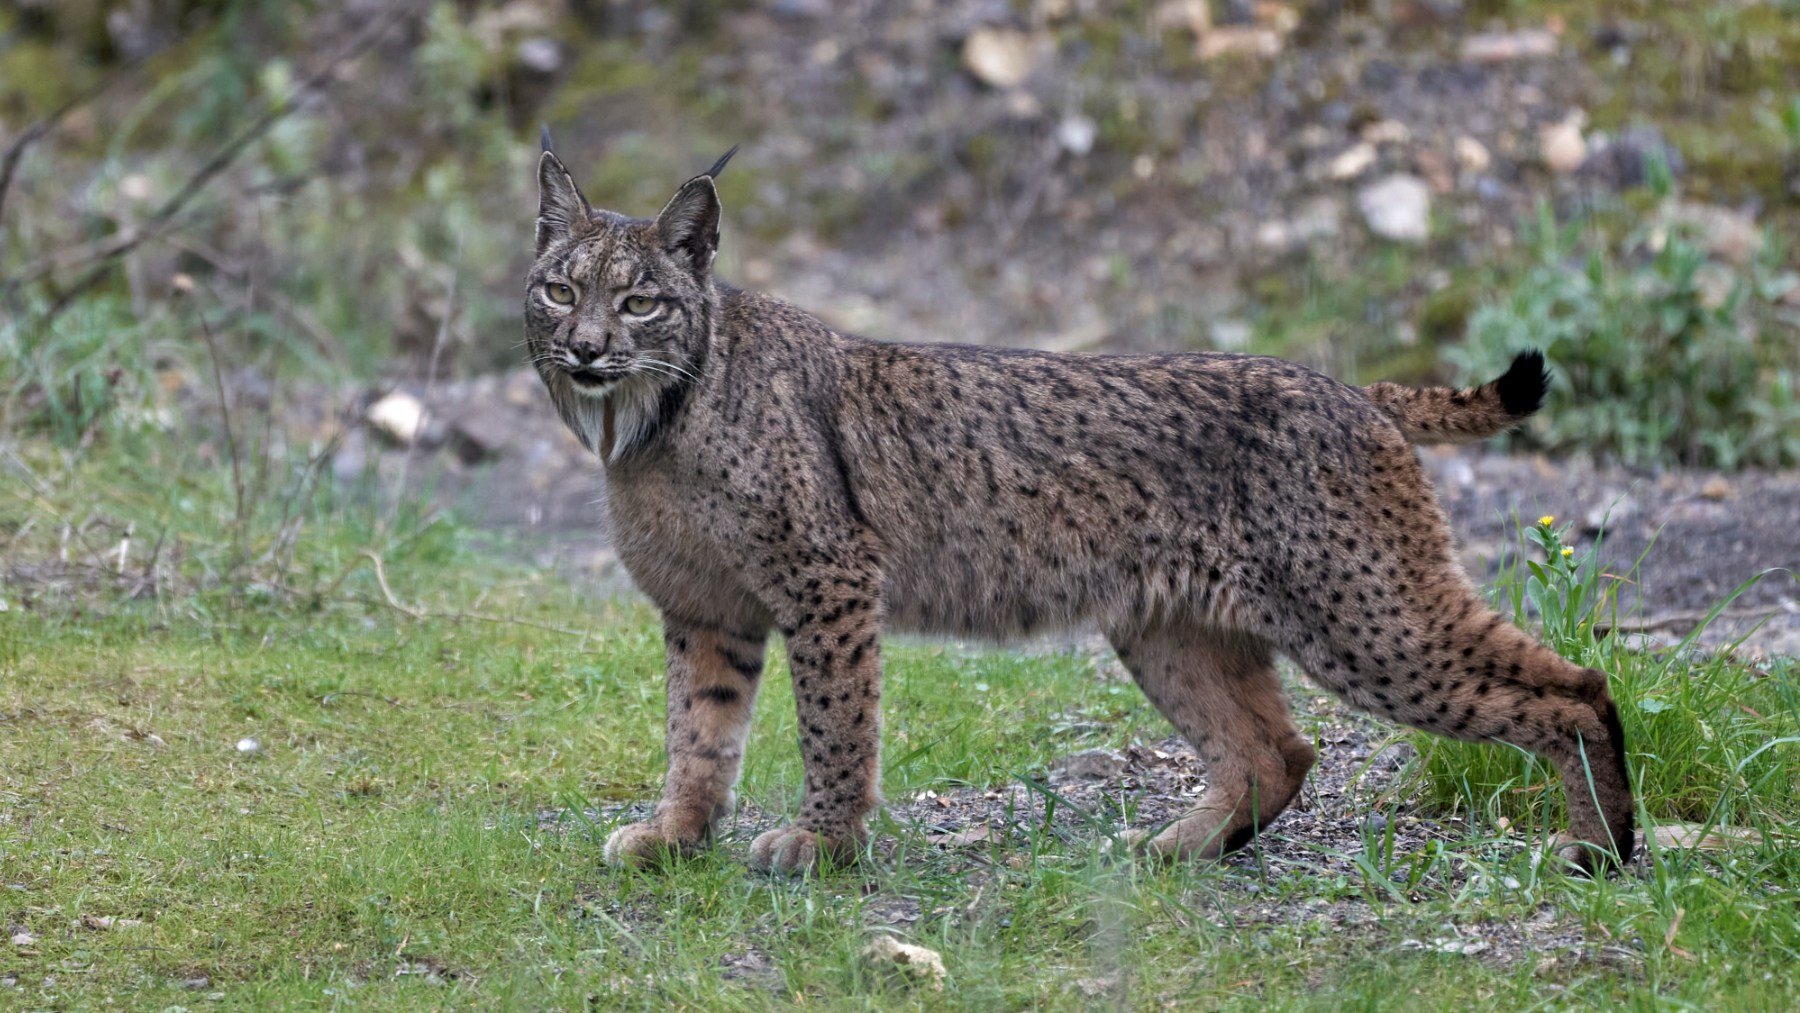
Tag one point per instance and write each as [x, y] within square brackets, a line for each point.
[712, 680]
[836, 657]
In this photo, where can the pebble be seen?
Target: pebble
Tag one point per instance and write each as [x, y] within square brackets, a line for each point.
[999, 57]
[1076, 134]
[1472, 155]
[922, 963]
[1352, 161]
[1562, 145]
[399, 416]
[1090, 765]
[1501, 47]
[1397, 207]
[248, 745]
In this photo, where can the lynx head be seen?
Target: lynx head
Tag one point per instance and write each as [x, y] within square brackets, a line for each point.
[618, 310]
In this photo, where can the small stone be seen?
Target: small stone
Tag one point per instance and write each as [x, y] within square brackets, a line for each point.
[1094, 988]
[999, 57]
[137, 188]
[1351, 162]
[1472, 155]
[482, 434]
[1386, 132]
[1501, 47]
[1090, 765]
[1561, 144]
[1397, 207]
[1076, 134]
[1717, 489]
[1623, 161]
[1230, 334]
[540, 56]
[23, 938]
[917, 961]
[1724, 232]
[248, 745]
[1239, 41]
[1193, 15]
[399, 416]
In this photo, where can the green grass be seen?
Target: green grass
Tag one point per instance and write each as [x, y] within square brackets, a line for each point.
[383, 848]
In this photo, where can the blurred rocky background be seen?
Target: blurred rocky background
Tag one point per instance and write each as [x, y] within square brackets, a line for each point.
[316, 216]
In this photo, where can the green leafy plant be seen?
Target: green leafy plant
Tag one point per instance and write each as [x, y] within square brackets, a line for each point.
[1662, 352]
[1708, 734]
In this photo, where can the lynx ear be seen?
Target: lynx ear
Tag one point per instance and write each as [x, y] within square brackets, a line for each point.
[689, 225]
[562, 210]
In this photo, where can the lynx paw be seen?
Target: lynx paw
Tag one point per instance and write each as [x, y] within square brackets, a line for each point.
[1193, 838]
[1584, 858]
[789, 850]
[643, 845]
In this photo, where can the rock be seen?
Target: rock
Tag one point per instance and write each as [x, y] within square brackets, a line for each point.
[1435, 169]
[1724, 232]
[1230, 335]
[1090, 765]
[1613, 509]
[999, 57]
[23, 938]
[1193, 15]
[248, 745]
[483, 434]
[399, 416]
[1561, 144]
[1622, 161]
[1076, 134]
[1698, 837]
[1351, 162]
[1319, 218]
[100, 923]
[1397, 207]
[1238, 41]
[1717, 488]
[1386, 132]
[539, 56]
[916, 961]
[1472, 155]
[1501, 47]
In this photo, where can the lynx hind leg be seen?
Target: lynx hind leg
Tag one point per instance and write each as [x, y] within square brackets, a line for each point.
[1442, 661]
[1220, 691]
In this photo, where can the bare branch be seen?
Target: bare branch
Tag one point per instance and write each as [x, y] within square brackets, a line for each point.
[227, 153]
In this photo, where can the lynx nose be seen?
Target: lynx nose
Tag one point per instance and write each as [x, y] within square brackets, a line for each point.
[585, 351]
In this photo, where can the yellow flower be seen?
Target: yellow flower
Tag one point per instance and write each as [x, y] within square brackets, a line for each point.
[1546, 520]
[1567, 552]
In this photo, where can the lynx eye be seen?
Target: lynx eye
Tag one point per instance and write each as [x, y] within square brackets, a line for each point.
[639, 305]
[558, 293]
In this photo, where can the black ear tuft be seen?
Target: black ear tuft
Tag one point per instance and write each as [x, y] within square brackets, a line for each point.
[689, 225]
[544, 137]
[719, 166]
[562, 210]
[1526, 382]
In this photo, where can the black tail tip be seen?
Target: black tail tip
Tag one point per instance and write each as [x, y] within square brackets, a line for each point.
[1526, 382]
